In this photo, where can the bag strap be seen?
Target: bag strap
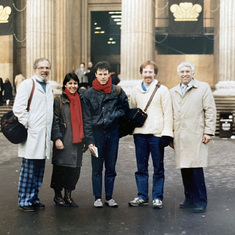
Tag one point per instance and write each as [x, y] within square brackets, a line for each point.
[31, 95]
[151, 97]
[118, 90]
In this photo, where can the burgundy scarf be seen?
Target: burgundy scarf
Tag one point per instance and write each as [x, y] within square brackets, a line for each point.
[76, 116]
[105, 88]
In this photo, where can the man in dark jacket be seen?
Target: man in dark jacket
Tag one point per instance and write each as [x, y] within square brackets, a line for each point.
[103, 108]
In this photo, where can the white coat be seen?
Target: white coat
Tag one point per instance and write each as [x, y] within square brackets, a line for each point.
[194, 114]
[38, 120]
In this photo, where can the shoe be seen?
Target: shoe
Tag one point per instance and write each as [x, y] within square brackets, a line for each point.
[68, 200]
[111, 203]
[71, 203]
[157, 204]
[27, 208]
[98, 203]
[39, 206]
[199, 209]
[138, 202]
[59, 201]
[186, 205]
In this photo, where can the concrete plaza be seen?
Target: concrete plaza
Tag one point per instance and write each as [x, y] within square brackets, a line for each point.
[171, 220]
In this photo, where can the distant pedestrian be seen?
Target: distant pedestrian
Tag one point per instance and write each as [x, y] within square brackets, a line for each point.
[90, 73]
[115, 78]
[18, 79]
[38, 121]
[194, 116]
[7, 87]
[81, 73]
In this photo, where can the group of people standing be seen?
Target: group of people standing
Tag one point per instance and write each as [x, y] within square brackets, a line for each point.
[183, 118]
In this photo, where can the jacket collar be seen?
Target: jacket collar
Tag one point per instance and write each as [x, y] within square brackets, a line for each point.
[153, 84]
[193, 84]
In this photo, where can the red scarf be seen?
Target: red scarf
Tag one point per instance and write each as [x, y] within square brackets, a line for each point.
[105, 88]
[76, 116]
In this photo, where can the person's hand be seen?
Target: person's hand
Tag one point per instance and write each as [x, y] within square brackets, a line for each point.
[206, 138]
[91, 148]
[59, 144]
[84, 146]
[171, 144]
[165, 141]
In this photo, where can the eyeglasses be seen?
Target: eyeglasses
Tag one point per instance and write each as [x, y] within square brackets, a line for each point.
[41, 68]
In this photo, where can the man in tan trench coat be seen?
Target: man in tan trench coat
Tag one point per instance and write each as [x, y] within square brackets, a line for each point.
[194, 115]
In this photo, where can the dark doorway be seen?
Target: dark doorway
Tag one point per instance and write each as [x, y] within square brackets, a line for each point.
[106, 37]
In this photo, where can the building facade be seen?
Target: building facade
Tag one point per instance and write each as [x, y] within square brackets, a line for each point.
[125, 33]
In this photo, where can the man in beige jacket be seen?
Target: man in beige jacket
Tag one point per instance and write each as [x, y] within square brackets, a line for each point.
[194, 116]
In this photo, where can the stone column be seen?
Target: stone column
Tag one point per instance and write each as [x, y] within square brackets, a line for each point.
[64, 52]
[40, 34]
[137, 38]
[226, 49]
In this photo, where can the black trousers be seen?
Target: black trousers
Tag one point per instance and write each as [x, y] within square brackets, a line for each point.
[194, 186]
[65, 177]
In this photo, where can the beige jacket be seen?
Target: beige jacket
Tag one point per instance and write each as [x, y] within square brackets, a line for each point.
[194, 114]
[159, 121]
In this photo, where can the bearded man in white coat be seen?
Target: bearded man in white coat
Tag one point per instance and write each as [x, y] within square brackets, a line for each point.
[38, 121]
[194, 116]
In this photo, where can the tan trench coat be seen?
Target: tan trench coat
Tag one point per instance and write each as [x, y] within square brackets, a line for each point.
[194, 114]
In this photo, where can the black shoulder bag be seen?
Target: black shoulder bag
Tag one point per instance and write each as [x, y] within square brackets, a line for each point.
[135, 117]
[14, 131]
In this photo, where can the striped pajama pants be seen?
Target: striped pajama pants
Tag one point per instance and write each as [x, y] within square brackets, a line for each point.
[30, 181]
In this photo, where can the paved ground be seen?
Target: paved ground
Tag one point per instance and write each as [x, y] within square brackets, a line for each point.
[218, 219]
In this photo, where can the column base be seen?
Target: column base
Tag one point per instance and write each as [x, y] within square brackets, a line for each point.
[56, 88]
[128, 85]
[225, 88]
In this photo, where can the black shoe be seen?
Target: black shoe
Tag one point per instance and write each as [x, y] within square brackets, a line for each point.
[60, 202]
[39, 206]
[27, 208]
[71, 203]
[68, 199]
[186, 205]
[199, 209]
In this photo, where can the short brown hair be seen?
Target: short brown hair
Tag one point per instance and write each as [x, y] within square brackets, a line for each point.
[149, 62]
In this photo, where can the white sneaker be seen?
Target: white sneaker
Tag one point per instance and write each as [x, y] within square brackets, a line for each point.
[157, 204]
[138, 202]
[98, 203]
[111, 203]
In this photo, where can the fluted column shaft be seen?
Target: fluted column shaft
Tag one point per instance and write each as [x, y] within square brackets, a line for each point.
[40, 34]
[137, 36]
[64, 53]
[226, 84]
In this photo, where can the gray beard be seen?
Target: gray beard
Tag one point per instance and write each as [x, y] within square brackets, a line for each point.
[44, 79]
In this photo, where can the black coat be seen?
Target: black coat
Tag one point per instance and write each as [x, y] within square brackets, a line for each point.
[7, 91]
[103, 110]
[71, 155]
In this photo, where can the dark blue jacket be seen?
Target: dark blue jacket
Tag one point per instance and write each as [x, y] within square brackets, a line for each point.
[103, 110]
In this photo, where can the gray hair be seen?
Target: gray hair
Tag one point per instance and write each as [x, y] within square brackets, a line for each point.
[187, 64]
[35, 64]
